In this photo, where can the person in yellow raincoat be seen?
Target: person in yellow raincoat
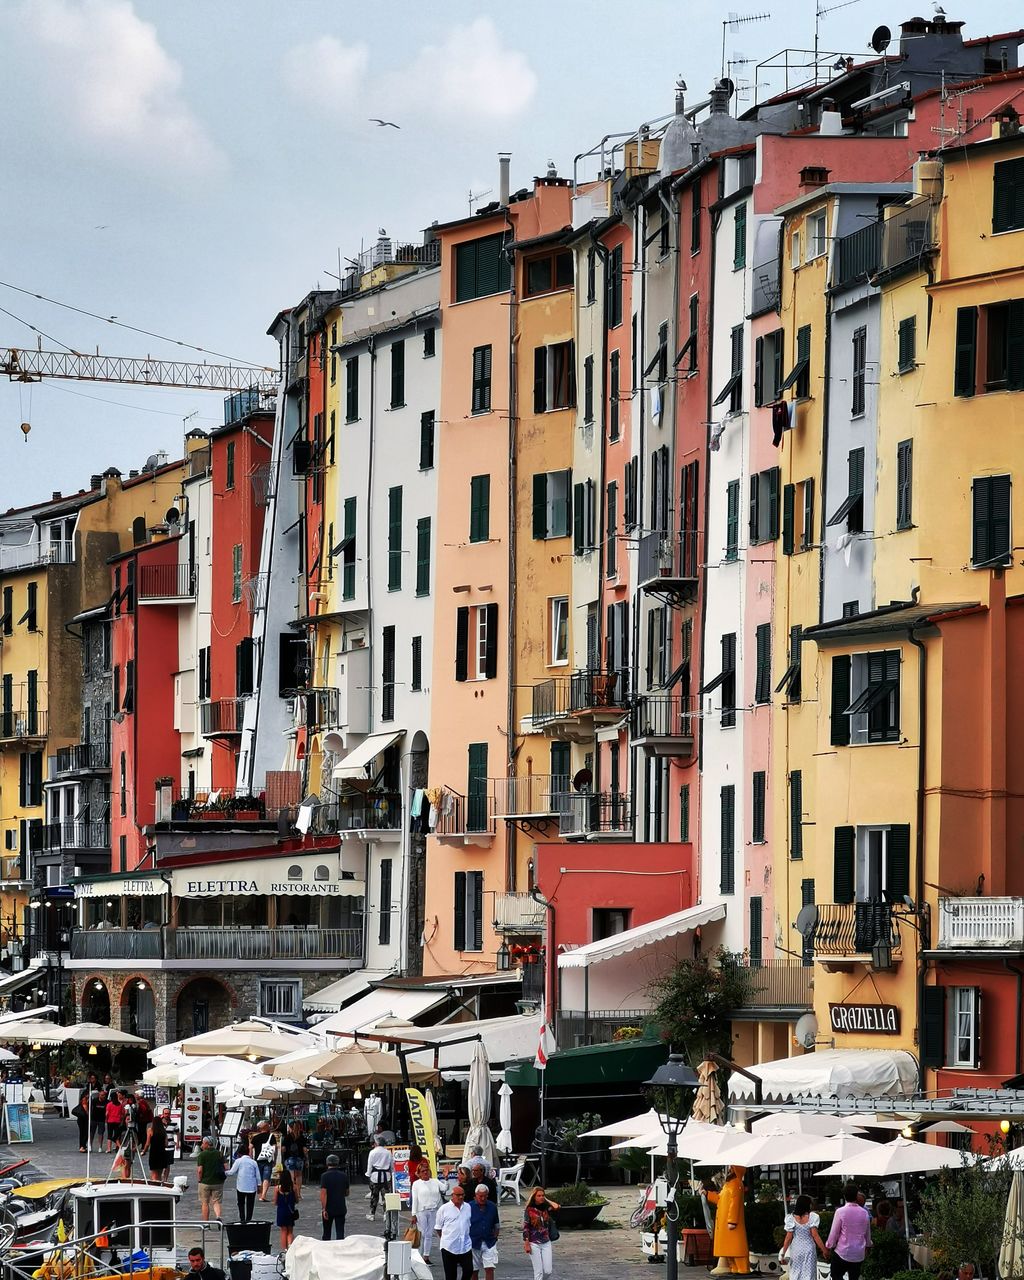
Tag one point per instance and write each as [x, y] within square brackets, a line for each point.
[730, 1243]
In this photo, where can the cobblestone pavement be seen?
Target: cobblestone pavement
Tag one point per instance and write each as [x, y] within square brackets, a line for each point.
[598, 1255]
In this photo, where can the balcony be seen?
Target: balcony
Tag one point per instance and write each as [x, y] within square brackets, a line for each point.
[606, 815]
[857, 255]
[221, 717]
[12, 870]
[23, 726]
[167, 583]
[531, 796]
[850, 931]
[907, 235]
[77, 835]
[85, 757]
[258, 944]
[225, 804]
[664, 725]
[981, 924]
[593, 691]
[467, 818]
[377, 813]
[117, 944]
[33, 553]
[780, 984]
[518, 913]
[321, 708]
[667, 566]
[255, 590]
[577, 1027]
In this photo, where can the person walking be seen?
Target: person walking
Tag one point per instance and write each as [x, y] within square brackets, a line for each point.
[479, 1173]
[97, 1117]
[247, 1172]
[452, 1224]
[81, 1113]
[380, 1165]
[114, 1113]
[264, 1146]
[850, 1237]
[802, 1241]
[537, 1231]
[294, 1155]
[210, 1164]
[287, 1210]
[483, 1232]
[334, 1189]
[427, 1199]
[155, 1147]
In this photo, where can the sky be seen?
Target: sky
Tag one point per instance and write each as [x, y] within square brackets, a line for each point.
[192, 167]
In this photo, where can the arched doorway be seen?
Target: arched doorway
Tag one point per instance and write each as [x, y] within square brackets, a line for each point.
[96, 1002]
[140, 1005]
[202, 1005]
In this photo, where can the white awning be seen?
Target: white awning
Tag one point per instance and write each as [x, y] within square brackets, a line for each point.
[642, 936]
[316, 875]
[329, 999]
[23, 978]
[832, 1073]
[382, 1002]
[354, 764]
[138, 885]
[505, 1040]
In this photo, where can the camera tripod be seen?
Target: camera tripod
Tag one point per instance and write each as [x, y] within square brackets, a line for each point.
[128, 1151]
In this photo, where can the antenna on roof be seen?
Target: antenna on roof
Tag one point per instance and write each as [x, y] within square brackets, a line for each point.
[739, 20]
[819, 12]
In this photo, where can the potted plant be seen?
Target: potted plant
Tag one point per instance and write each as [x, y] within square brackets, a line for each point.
[215, 810]
[626, 1033]
[247, 808]
[763, 1217]
[578, 1205]
[181, 809]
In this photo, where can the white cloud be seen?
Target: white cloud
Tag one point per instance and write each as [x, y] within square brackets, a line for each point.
[471, 74]
[114, 84]
[328, 69]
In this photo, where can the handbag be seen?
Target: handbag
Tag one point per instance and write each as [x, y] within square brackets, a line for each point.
[553, 1232]
[413, 1236]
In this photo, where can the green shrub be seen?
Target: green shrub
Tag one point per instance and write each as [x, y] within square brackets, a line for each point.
[887, 1255]
[576, 1193]
[761, 1220]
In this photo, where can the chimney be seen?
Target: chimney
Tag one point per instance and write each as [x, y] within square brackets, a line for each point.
[719, 100]
[504, 163]
[680, 97]
[94, 482]
[928, 178]
[814, 175]
[831, 123]
[55, 496]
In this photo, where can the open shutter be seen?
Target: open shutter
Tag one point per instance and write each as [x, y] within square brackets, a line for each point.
[977, 1026]
[774, 476]
[478, 910]
[966, 351]
[491, 644]
[462, 644]
[999, 528]
[788, 519]
[897, 878]
[578, 518]
[540, 379]
[754, 501]
[796, 814]
[540, 505]
[460, 911]
[755, 944]
[807, 540]
[728, 835]
[758, 371]
[933, 1011]
[842, 867]
[840, 721]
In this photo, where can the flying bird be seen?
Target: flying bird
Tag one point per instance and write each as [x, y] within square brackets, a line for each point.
[384, 124]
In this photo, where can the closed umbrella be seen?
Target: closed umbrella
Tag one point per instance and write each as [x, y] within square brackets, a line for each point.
[478, 1103]
[708, 1105]
[1011, 1252]
[504, 1142]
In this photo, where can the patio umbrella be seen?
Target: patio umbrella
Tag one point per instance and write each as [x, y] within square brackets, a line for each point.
[93, 1033]
[7, 1056]
[478, 1104]
[774, 1147]
[207, 1072]
[504, 1142]
[835, 1147]
[252, 1040]
[1011, 1252]
[355, 1066]
[947, 1126]
[708, 1105]
[703, 1144]
[1008, 1160]
[647, 1122]
[809, 1123]
[33, 1031]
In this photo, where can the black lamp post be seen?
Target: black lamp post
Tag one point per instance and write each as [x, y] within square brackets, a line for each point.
[674, 1074]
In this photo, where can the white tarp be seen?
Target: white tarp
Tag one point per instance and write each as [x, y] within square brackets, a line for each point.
[354, 1258]
[832, 1073]
[329, 999]
[643, 935]
[382, 1002]
[505, 1039]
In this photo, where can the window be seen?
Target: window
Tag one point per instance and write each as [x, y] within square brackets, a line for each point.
[616, 646]
[588, 389]
[764, 506]
[695, 218]
[851, 509]
[906, 344]
[733, 389]
[229, 465]
[347, 549]
[796, 815]
[7, 617]
[990, 502]
[480, 508]
[123, 783]
[612, 525]
[352, 389]
[965, 1023]
[727, 806]
[1008, 195]
[769, 354]
[395, 538]
[860, 350]
[469, 910]
[387, 692]
[548, 271]
[384, 903]
[245, 667]
[799, 377]
[865, 697]
[429, 343]
[904, 484]
[989, 348]
[790, 682]
[732, 520]
[758, 796]
[798, 517]
[397, 374]
[558, 631]
[428, 423]
[584, 517]
[689, 348]
[591, 275]
[613, 396]
[481, 402]
[423, 556]
[30, 781]
[739, 236]
[756, 943]
[726, 680]
[659, 657]
[689, 517]
[476, 642]
[128, 701]
[630, 496]
[481, 268]
[614, 288]
[281, 998]
[661, 489]
[817, 242]
[794, 251]
[416, 681]
[236, 573]
[763, 678]
[554, 377]
[606, 922]
[684, 813]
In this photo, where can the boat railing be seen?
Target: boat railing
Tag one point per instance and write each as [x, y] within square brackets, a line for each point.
[96, 1260]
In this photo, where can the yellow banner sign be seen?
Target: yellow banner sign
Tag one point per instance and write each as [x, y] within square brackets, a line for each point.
[422, 1129]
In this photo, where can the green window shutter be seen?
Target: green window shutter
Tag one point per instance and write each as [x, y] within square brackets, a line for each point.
[1008, 195]
[540, 379]
[756, 944]
[476, 788]
[991, 520]
[352, 388]
[479, 508]
[904, 483]
[578, 519]
[933, 1024]
[855, 465]
[966, 356]
[459, 912]
[540, 505]
[397, 374]
[840, 721]
[803, 355]
[739, 254]
[588, 389]
[788, 519]
[758, 372]
[796, 639]
[462, 644]
[796, 814]
[732, 520]
[763, 681]
[491, 643]
[807, 538]
[843, 883]
[758, 795]
[754, 508]
[613, 396]
[907, 344]
[423, 556]
[395, 538]
[897, 879]
[778, 367]
[774, 479]
[427, 424]
[728, 834]
[1015, 345]
[684, 813]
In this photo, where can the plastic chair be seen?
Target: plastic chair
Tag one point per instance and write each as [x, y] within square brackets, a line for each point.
[509, 1182]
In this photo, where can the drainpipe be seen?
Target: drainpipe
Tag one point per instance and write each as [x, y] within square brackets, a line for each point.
[511, 829]
[1018, 1060]
[551, 966]
[636, 596]
[715, 220]
[604, 255]
[823, 504]
[922, 723]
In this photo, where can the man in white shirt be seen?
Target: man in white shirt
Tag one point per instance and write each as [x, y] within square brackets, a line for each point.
[452, 1225]
[379, 1167]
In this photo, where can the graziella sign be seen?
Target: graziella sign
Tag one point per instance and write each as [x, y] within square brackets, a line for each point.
[880, 1019]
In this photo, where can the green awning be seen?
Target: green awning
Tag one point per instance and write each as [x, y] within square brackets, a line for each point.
[632, 1061]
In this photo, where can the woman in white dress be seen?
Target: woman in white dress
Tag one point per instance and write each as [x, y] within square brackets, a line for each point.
[427, 1198]
[802, 1241]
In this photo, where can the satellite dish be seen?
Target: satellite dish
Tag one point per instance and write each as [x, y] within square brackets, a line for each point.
[582, 780]
[880, 39]
[173, 515]
[727, 85]
[806, 1031]
[334, 743]
[807, 920]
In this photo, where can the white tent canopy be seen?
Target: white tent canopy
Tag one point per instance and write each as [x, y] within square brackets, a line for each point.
[504, 1039]
[329, 999]
[643, 935]
[832, 1073]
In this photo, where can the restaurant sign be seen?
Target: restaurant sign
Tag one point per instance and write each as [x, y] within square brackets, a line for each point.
[880, 1019]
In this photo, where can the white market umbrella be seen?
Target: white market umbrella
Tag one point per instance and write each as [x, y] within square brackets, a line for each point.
[1008, 1160]
[809, 1123]
[774, 1147]
[647, 1122]
[947, 1126]
[7, 1056]
[252, 1040]
[837, 1147]
[205, 1072]
[1011, 1252]
[478, 1105]
[504, 1142]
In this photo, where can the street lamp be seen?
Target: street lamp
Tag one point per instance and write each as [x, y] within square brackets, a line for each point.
[674, 1074]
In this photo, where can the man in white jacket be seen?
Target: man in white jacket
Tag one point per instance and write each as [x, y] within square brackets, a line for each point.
[380, 1165]
[427, 1198]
